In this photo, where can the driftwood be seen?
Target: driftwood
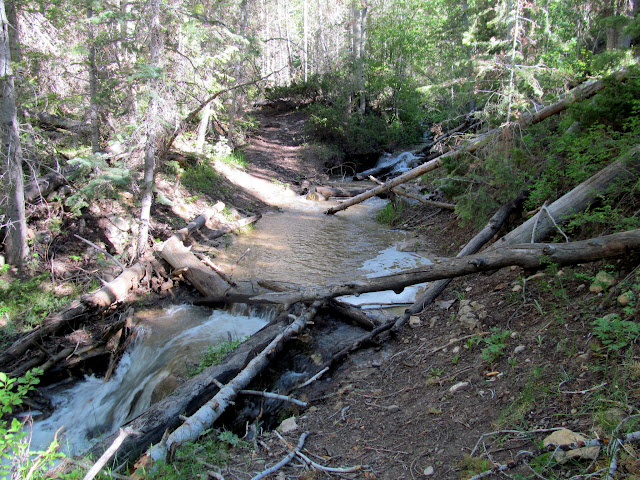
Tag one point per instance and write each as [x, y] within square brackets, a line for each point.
[206, 281]
[529, 256]
[118, 288]
[189, 397]
[474, 245]
[626, 168]
[77, 311]
[54, 122]
[424, 201]
[206, 415]
[582, 92]
[355, 315]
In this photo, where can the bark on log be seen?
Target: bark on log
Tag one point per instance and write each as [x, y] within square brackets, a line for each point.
[581, 92]
[51, 122]
[44, 185]
[205, 280]
[577, 200]
[530, 256]
[188, 397]
[53, 323]
[206, 415]
[117, 289]
[474, 245]
[199, 222]
[355, 315]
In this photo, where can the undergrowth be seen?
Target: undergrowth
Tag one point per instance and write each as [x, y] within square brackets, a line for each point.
[25, 303]
[214, 355]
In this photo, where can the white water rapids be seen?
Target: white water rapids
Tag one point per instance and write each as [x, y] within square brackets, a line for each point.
[298, 244]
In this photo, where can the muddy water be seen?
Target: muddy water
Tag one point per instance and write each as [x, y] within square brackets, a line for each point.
[303, 245]
[298, 244]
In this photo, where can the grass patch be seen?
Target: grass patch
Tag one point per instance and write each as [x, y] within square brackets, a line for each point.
[194, 460]
[200, 178]
[390, 215]
[214, 355]
[25, 303]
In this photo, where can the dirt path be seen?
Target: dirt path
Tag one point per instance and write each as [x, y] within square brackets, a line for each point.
[417, 405]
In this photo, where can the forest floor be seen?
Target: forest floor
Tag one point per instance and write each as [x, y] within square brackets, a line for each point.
[523, 362]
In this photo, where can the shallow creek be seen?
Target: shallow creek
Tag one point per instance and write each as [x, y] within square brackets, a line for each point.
[297, 244]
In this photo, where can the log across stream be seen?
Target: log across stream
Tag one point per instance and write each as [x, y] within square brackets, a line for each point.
[299, 245]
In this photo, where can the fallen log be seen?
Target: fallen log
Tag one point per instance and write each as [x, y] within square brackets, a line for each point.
[44, 185]
[424, 201]
[352, 314]
[234, 225]
[188, 397]
[74, 313]
[203, 278]
[582, 92]
[529, 256]
[626, 167]
[118, 288]
[206, 415]
[474, 245]
[54, 122]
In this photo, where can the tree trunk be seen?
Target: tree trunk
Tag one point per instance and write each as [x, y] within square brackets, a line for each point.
[152, 130]
[626, 167]
[476, 243]
[206, 415]
[189, 397]
[93, 82]
[203, 127]
[582, 92]
[235, 101]
[529, 256]
[16, 248]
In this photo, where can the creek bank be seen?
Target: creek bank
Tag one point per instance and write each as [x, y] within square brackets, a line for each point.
[419, 402]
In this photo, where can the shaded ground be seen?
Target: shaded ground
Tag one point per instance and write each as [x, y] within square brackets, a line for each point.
[420, 404]
[416, 405]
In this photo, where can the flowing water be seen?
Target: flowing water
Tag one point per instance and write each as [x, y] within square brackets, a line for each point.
[298, 244]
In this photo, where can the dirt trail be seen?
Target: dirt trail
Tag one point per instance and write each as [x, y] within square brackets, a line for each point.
[416, 406]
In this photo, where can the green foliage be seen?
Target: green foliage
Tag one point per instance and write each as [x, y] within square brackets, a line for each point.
[25, 303]
[613, 106]
[14, 447]
[390, 214]
[214, 355]
[615, 333]
[496, 344]
[194, 460]
[201, 178]
[470, 466]
[96, 178]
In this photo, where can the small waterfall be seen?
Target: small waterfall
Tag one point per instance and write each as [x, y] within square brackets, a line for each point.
[166, 343]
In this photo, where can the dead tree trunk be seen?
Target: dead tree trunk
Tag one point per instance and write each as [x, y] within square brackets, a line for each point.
[189, 397]
[577, 200]
[211, 411]
[476, 243]
[530, 256]
[582, 92]
[114, 291]
[76, 311]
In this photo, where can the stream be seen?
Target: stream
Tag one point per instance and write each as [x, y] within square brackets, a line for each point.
[296, 244]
